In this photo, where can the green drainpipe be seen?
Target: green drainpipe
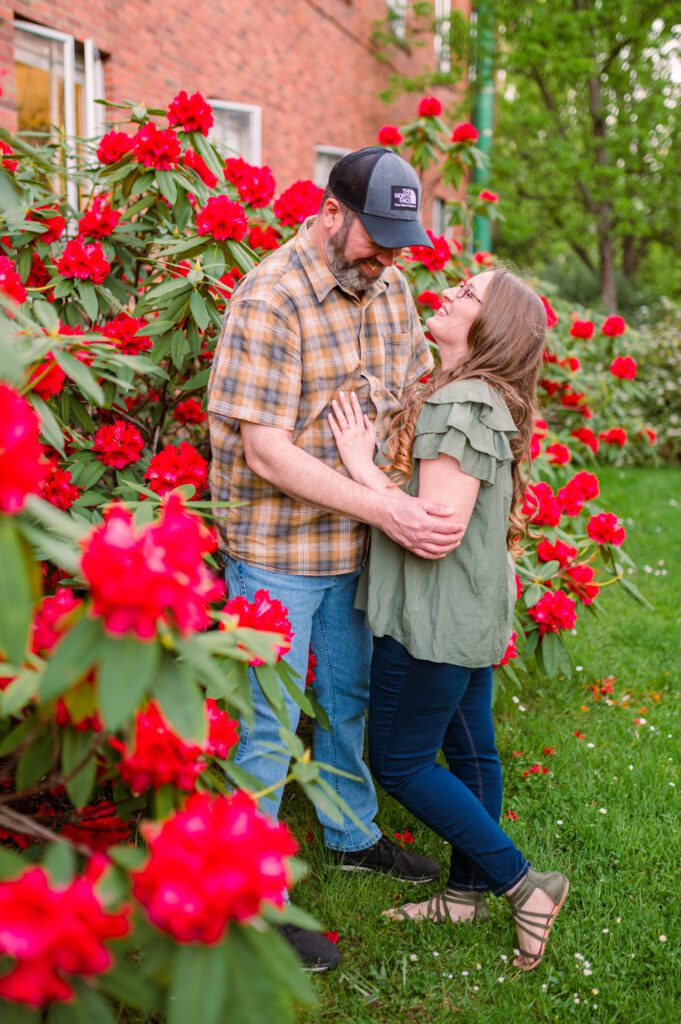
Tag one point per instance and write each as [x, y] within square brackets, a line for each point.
[483, 111]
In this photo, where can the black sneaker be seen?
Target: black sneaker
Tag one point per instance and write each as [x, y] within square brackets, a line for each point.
[314, 951]
[386, 856]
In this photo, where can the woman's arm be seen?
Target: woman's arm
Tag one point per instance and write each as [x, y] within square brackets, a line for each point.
[443, 477]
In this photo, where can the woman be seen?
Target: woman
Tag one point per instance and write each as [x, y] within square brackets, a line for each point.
[439, 626]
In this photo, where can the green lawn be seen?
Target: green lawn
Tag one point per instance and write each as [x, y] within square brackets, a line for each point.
[607, 814]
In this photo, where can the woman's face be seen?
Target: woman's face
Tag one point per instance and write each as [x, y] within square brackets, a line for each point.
[460, 306]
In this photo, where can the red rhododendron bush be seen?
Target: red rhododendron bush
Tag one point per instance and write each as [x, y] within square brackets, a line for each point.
[136, 868]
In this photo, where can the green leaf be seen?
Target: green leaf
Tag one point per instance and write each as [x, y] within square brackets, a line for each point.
[199, 310]
[46, 313]
[240, 256]
[198, 382]
[214, 262]
[20, 692]
[127, 985]
[209, 154]
[181, 702]
[550, 654]
[80, 375]
[88, 297]
[36, 760]
[270, 685]
[197, 990]
[16, 736]
[11, 864]
[167, 186]
[126, 670]
[73, 656]
[12, 1013]
[89, 1008]
[78, 765]
[263, 976]
[15, 593]
[49, 427]
[532, 594]
[60, 862]
[179, 348]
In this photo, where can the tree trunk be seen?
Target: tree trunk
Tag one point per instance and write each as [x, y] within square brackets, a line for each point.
[606, 252]
[630, 257]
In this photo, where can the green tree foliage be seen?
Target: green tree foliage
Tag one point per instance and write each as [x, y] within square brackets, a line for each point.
[586, 144]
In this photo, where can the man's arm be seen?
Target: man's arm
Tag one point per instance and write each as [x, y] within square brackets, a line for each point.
[422, 526]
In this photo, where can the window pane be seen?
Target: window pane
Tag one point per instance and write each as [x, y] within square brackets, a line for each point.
[323, 162]
[39, 67]
[232, 131]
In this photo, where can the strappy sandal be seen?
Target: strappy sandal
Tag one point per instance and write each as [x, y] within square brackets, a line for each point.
[439, 908]
[556, 887]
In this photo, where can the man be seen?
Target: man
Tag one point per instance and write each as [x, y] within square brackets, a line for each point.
[327, 312]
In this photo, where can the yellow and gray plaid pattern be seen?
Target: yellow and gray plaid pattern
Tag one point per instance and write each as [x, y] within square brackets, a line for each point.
[291, 340]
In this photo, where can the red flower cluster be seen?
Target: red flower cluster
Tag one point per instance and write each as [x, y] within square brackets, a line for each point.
[175, 466]
[124, 330]
[406, 837]
[430, 106]
[191, 113]
[553, 612]
[255, 185]
[47, 378]
[300, 201]
[49, 622]
[511, 815]
[555, 551]
[613, 326]
[196, 163]
[159, 757]
[389, 135]
[559, 454]
[465, 132]
[579, 489]
[52, 932]
[58, 489]
[624, 367]
[21, 469]
[100, 220]
[189, 411]
[11, 284]
[483, 258]
[605, 529]
[5, 152]
[536, 769]
[216, 861]
[511, 651]
[173, 585]
[540, 505]
[118, 444]
[436, 258]
[264, 613]
[84, 261]
[50, 218]
[580, 579]
[488, 197]
[582, 329]
[98, 827]
[587, 437]
[156, 147]
[615, 435]
[311, 674]
[264, 237]
[222, 218]
[431, 299]
[113, 147]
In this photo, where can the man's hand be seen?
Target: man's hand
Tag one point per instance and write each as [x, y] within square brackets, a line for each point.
[424, 527]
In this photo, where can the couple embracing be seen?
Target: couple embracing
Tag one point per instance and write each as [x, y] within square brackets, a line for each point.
[381, 512]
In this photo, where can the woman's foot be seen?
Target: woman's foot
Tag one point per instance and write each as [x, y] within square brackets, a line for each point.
[535, 902]
[453, 905]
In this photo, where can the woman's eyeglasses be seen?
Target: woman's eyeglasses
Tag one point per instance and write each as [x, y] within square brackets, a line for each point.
[466, 289]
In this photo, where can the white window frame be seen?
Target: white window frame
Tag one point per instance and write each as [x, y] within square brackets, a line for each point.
[254, 130]
[93, 88]
[321, 151]
[438, 215]
[398, 21]
[443, 24]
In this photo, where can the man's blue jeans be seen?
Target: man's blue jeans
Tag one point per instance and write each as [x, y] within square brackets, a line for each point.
[321, 613]
[418, 708]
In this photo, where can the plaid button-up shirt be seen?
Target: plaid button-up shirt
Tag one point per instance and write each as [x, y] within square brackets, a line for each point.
[291, 340]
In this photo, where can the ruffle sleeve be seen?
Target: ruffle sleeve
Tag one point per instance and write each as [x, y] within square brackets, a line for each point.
[469, 421]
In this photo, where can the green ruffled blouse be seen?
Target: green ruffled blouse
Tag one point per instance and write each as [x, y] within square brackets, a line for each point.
[459, 609]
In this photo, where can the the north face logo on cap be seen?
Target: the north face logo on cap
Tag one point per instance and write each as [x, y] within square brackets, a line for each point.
[402, 198]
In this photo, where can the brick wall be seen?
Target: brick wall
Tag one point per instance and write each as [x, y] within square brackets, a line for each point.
[308, 64]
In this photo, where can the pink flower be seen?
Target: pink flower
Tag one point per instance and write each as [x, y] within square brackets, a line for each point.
[264, 613]
[255, 185]
[197, 163]
[11, 284]
[615, 435]
[99, 221]
[189, 411]
[582, 329]
[86, 262]
[174, 466]
[488, 197]
[540, 505]
[436, 258]
[559, 454]
[218, 860]
[558, 551]
[118, 444]
[58, 489]
[587, 437]
[553, 612]
[624, 367]
[22, 470]
[156, 147]
[222, 218]
[465, 132]
[613, 326]
[605, 529]
[113, 147]
[389, 135]
[124, 330]
[430, 106]
[297, 203]
[192, 113]
[173, 585]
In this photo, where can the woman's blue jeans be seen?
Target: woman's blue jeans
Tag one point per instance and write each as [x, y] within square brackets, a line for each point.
[321, 611]
[416, 709]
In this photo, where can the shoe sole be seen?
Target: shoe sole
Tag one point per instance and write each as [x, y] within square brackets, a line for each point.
[377, 871]
[318, 968]
[535, 963]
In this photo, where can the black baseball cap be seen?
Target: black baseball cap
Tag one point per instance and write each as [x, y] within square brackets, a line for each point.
[384, 191]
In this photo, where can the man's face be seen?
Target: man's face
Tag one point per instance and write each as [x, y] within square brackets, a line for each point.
[355, 260]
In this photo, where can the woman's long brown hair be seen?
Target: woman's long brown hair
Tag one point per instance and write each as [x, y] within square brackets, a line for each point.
[505, 345]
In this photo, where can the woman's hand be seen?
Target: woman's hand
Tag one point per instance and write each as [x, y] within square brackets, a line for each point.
[354, 434]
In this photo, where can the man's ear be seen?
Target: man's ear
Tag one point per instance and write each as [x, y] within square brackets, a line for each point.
[331, 214]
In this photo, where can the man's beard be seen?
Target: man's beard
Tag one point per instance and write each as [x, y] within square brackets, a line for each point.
[350, 276]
